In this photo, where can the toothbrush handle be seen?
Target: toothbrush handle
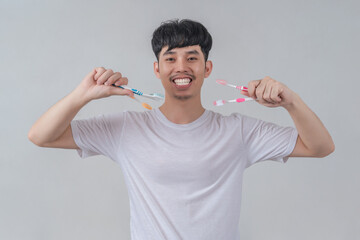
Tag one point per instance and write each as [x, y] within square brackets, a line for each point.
[135, 91]
[242, 88]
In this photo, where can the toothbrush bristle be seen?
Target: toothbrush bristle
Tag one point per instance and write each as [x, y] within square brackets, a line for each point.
[159, 95]
[147, 106]
[222, 82]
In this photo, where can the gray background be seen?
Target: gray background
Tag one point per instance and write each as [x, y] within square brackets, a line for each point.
[47, 47]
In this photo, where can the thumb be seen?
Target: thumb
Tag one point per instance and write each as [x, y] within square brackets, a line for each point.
[255, 83]
[252, 85]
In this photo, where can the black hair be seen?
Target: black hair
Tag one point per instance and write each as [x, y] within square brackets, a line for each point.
[178, 34]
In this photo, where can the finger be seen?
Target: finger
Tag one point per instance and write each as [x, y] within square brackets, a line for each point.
[252, 88]
[121, 81]
[116, 76]
[267, 93]
[120, 91]
[104, 77]
[259, 91]
[271, 105]
[99, 71]
[275, 94]
[269, 89]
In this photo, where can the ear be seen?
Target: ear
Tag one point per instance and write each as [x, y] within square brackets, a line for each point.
[156, 69]
[208, 68]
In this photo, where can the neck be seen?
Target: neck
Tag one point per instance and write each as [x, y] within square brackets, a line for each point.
[182, 111]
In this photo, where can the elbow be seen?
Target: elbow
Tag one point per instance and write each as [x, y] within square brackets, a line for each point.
[35, 140]
[331, 149]
[326, 151]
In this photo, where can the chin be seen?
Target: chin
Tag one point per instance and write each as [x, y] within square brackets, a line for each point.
[183, 98]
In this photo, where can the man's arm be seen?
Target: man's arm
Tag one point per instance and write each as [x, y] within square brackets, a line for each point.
[314, 140]
[53, 128]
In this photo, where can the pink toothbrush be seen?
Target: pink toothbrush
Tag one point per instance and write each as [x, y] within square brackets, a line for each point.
[222, 102]
[224, 82]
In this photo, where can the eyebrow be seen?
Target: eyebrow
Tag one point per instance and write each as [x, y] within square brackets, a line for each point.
[187, 52]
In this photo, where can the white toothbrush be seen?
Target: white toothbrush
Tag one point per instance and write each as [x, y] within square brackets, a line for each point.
[225, 83]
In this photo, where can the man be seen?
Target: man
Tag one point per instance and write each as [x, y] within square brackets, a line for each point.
[183, 164]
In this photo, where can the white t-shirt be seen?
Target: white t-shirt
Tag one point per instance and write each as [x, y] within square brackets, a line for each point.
[184, 180]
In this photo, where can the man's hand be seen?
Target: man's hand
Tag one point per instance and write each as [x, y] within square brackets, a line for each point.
[270, 93]
[98, 84]
[53, 128]
[313, 140]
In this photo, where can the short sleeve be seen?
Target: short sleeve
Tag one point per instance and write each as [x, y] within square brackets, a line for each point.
[99, 135]
[267, 141]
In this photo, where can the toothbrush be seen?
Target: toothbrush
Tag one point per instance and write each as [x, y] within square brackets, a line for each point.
[145, 105]
[222, 102]
[154, 96]
[224, 82]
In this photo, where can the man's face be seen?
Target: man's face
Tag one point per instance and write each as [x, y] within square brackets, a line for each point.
[182, 71]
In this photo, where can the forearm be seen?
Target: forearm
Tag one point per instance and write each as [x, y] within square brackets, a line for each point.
[53, 123]
[311, 130]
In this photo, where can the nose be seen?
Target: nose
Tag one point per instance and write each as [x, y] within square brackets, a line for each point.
[181, 65]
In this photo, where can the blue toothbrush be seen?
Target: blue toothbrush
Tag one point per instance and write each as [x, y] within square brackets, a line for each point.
[154, 96]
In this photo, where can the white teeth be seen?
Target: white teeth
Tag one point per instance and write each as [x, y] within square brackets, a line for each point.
[182, 81]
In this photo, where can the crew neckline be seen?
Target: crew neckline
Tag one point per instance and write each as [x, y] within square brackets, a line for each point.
[187, 126]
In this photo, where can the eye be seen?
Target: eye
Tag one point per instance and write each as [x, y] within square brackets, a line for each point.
[192, 58]
[170, 59]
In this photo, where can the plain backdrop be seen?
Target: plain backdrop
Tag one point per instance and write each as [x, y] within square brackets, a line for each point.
[47, 47]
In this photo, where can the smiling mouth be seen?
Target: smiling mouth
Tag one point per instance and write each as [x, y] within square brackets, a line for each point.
[182, 81]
